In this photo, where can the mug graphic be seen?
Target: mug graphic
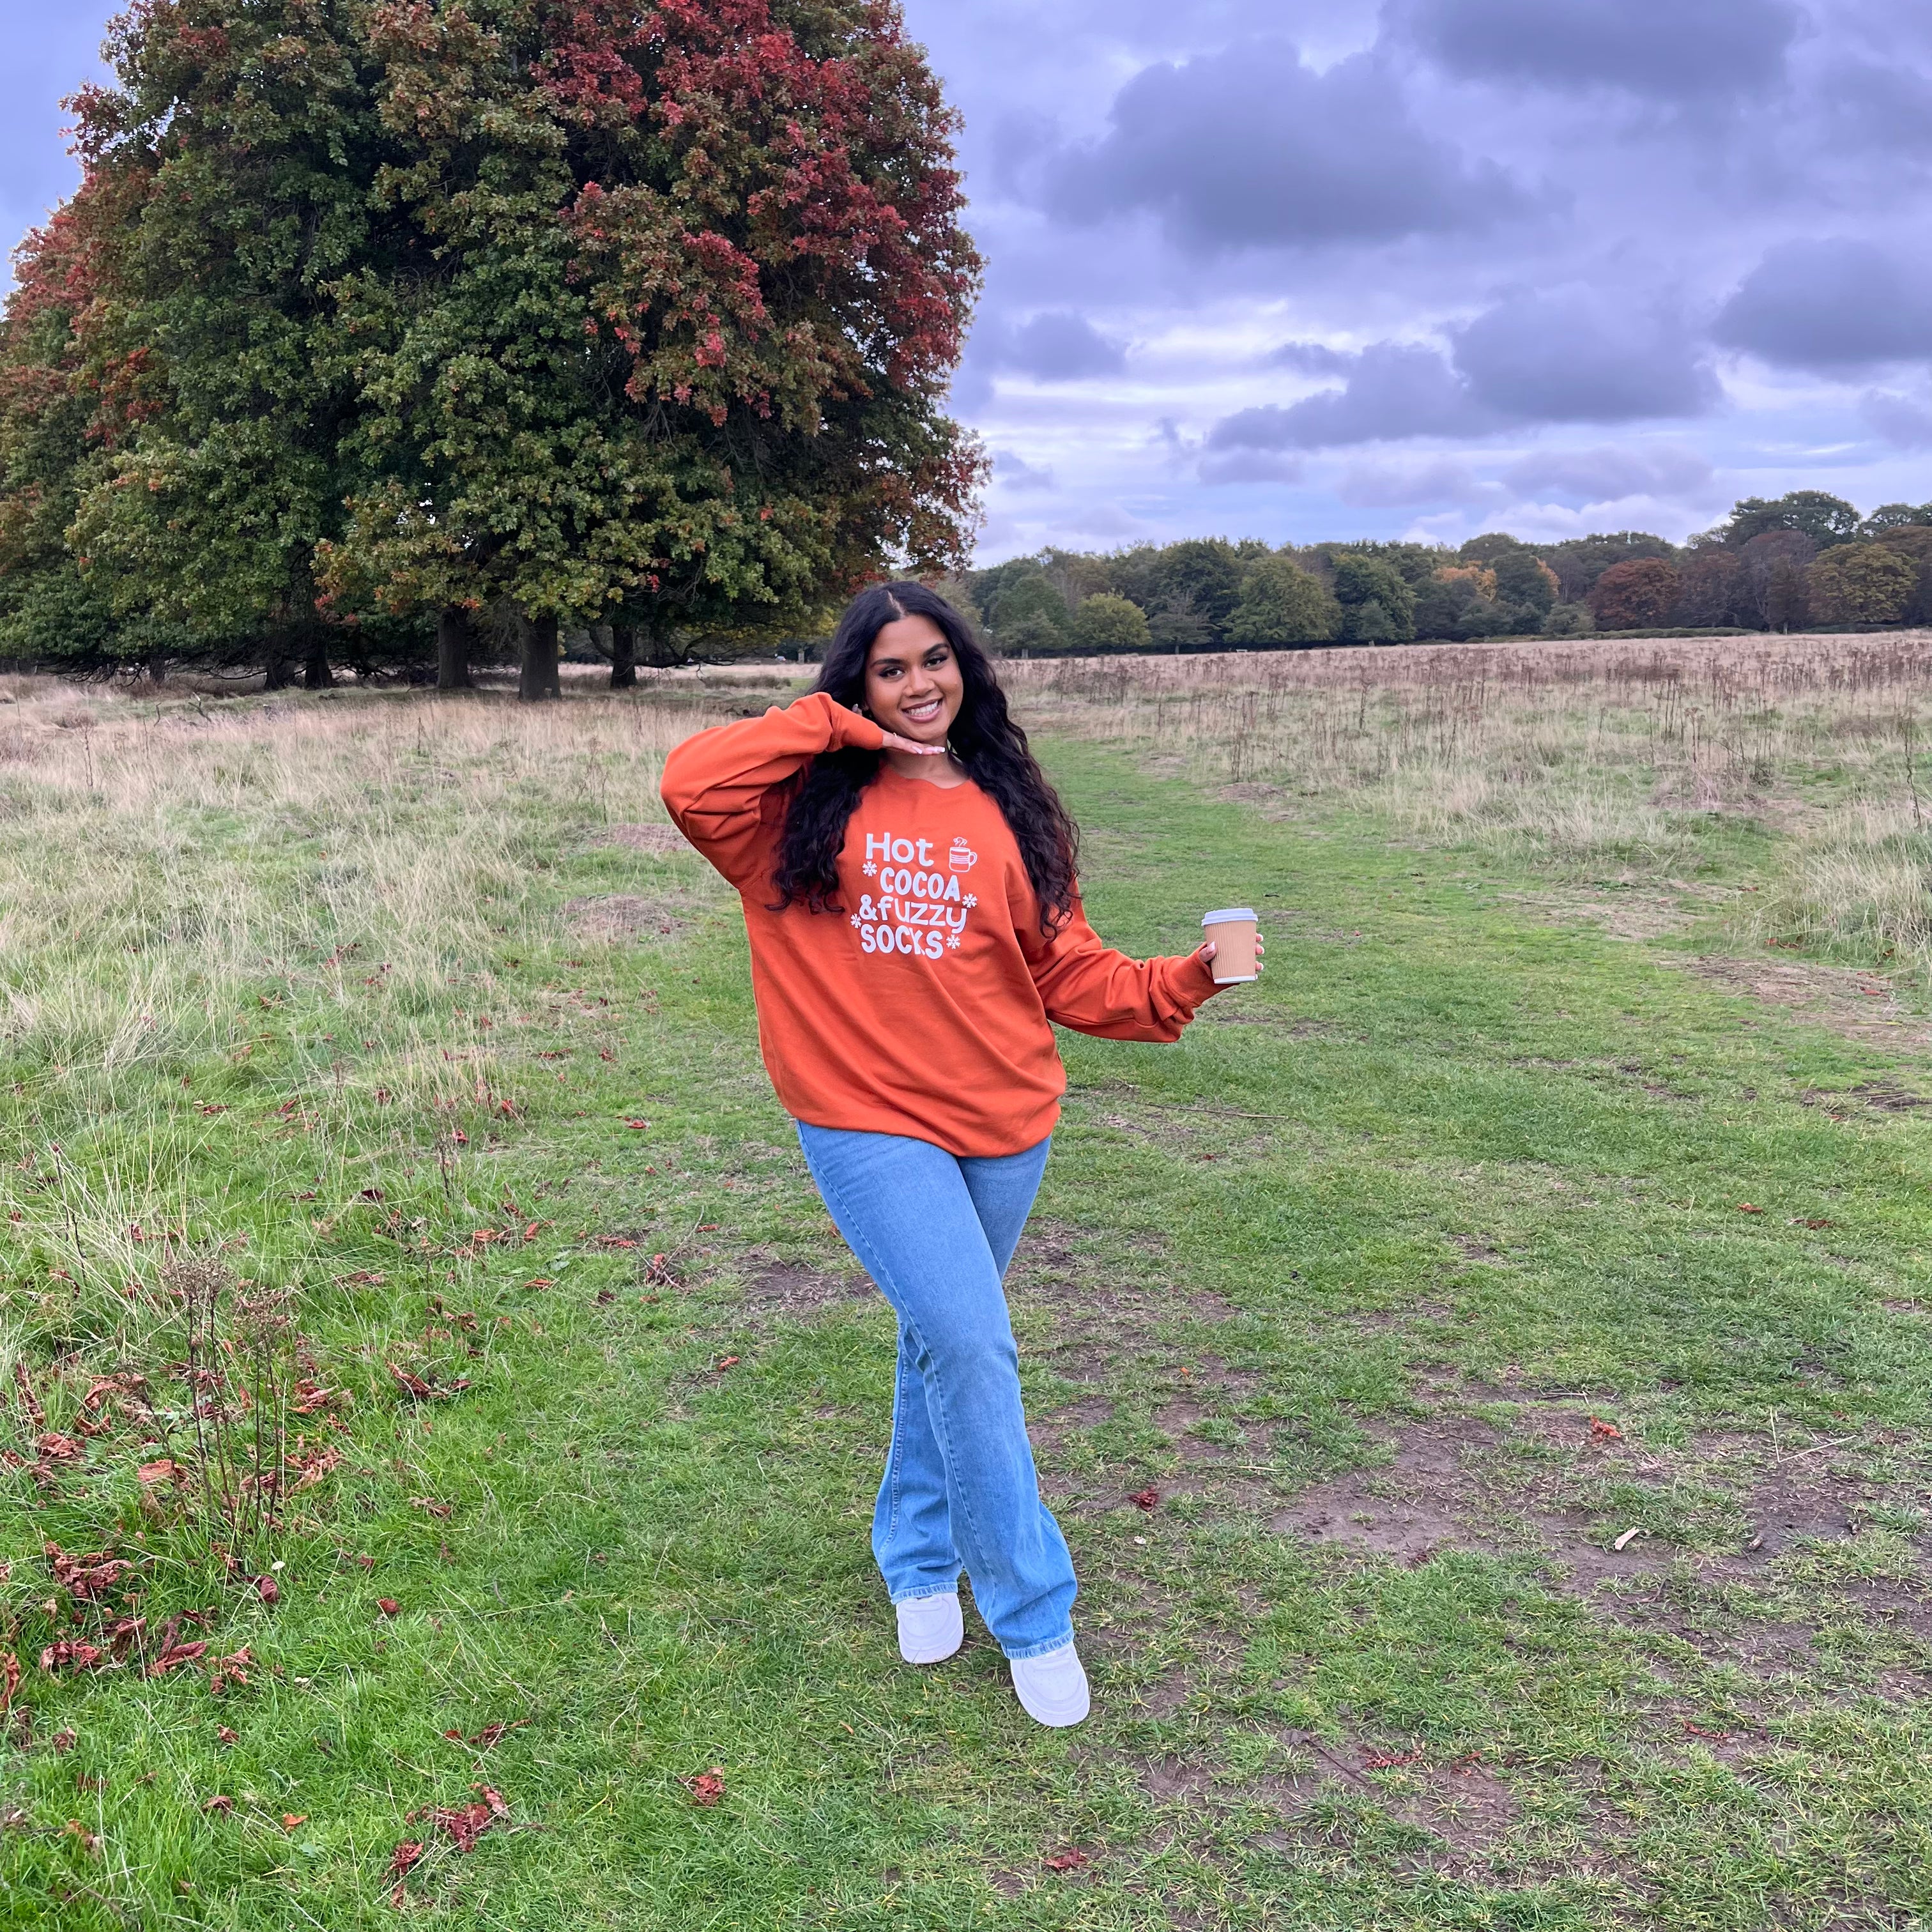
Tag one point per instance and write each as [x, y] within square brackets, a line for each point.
[962, 858]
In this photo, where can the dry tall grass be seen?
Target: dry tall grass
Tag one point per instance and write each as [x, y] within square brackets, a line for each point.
[1598, 756]
[172, 874]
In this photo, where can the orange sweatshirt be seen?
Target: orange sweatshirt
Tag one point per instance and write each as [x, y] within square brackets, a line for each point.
[923, 1007]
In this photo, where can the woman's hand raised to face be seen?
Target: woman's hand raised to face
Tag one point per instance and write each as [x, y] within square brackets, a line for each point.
[894, 742]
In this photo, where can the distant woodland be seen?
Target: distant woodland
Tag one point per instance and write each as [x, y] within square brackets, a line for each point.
[1789, 563]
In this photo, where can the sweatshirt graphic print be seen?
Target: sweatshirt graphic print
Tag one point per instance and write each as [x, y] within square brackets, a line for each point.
[918, 912]
[926, 1005]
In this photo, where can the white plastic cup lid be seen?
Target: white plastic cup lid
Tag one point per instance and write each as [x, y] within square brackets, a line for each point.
[1228, 913]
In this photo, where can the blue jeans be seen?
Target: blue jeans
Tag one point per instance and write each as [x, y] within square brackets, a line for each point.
[936, 1231]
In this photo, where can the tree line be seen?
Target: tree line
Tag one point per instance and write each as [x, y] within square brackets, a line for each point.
[1777, 564]
[379, 334]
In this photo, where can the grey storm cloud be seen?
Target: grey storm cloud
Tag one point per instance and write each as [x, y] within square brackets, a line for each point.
[1249, 466]
[1580, 476]
[1382, 486]
[1867, 106]
[1394, 389]
[1831, 306]
[1011, 471]
[1059, 346]
[1309, 359]
[1905, 422]
[1250, 148]
[1569, 356]
[1563, 357]
[1666, 49]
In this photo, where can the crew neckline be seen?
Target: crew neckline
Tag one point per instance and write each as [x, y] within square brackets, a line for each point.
[893, 772]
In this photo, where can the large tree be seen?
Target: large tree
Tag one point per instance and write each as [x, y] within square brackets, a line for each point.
[1863, 584]
[1195, 586]
[1378, 606]
[1578, 562]
[1710, 583]
[375, 317]
[68, 404]
[1105, 623]
[1634, 595]
[1816, 514]
[690, 286]
[1773, 591]
[1915, 540]
[243, 143]
[1282, 604]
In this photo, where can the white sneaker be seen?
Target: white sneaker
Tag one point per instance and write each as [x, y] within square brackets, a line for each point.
[931, 1628]
[1053, 1688]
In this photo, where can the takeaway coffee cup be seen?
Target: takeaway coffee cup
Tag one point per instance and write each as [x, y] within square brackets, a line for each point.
[1232, 930]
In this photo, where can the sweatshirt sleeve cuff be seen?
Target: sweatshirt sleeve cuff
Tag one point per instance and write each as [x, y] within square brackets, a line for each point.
[851, 729]
[1195, 982]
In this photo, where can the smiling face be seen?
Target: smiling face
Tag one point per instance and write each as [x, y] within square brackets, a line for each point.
[914, 684]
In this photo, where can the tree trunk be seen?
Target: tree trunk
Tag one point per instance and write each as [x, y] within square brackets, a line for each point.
[316, 675]
[453, 636]
[536, 639]
[276, 675]
[157, 668]
[623, 657]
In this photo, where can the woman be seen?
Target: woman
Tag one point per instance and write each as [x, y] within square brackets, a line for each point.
[907, 875]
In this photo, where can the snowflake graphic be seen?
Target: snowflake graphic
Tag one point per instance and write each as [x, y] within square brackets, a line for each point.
[855, 919]
[952, 939]
[969, 901]
[868, 868]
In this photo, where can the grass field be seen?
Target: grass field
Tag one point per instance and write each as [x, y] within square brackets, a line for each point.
[1520, 1302]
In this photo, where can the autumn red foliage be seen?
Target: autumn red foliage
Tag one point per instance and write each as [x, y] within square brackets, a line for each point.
[1641, 591]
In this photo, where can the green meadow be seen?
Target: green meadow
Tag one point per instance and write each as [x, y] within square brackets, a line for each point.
[1483, 1370]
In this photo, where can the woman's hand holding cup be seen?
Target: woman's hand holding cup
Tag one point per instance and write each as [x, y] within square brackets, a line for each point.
[1234, 940]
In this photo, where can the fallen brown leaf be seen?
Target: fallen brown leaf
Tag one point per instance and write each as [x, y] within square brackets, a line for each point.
[1069, 1860]
[495, 1734]
[86, 1577]
[221, 1802]
[1145, 1499]
[707, 1787]
[69, 1655]
[232, 1669]
[172, 1656]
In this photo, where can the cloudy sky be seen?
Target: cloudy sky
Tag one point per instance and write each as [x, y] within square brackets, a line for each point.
[1307, 268]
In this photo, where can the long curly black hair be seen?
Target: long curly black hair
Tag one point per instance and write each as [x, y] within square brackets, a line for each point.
[984, 738]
